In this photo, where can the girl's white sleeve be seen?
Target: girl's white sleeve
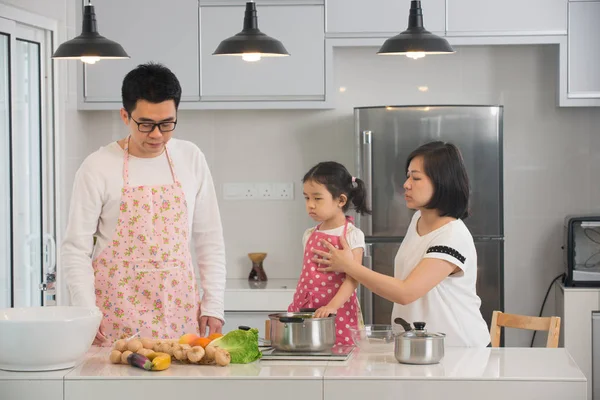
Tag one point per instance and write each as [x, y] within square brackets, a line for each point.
[355, 238]
[306, 235]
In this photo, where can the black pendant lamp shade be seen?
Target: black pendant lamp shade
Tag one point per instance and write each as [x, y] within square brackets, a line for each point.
[415, 41]
[90, 46]
[251, 44]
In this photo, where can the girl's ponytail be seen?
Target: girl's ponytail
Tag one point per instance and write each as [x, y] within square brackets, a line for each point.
[358, 196]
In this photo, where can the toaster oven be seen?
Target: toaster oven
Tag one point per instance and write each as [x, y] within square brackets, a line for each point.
[581, 250]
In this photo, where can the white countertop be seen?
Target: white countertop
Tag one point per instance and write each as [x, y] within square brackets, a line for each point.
[539, 364]
[499, 364]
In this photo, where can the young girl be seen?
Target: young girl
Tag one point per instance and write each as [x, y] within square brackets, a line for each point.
[436, 266]
[329, 189]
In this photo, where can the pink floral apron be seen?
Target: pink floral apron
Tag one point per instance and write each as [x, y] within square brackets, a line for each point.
[316, 289]
[145, 279]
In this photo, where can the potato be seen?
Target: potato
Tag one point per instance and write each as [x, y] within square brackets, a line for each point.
[210, 352]
[195, 354]
[115, 357]
[165, 348]
[145, 352]
[124, 356]
[121, 345]
[147, 343]
[134, 345]
[222, 357]
[180, 355]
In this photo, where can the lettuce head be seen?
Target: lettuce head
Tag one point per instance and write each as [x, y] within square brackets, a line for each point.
[242, 345]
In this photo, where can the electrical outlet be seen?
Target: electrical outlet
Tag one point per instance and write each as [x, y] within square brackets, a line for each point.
[250, 191]
[239, 191]
[232, 191]
[264, 191]
[283, 191]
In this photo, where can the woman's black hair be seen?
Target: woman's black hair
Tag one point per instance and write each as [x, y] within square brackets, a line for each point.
[338, 181]
[443, 164]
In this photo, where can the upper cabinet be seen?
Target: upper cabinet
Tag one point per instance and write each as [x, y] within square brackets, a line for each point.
[148, 31]
[507, 17]
[184, 35]
[380, 17]
[583, 55]
[298, 77]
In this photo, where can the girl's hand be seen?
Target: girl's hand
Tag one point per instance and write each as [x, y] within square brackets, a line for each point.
[338, 260]
[323, 312]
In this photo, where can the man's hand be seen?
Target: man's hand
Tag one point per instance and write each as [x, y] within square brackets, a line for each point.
[100, 339]
[215, 325]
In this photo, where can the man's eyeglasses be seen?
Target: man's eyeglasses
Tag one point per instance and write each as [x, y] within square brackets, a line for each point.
[147, 127]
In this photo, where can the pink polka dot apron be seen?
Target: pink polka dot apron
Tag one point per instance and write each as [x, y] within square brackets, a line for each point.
[145, 279]
[316, 289]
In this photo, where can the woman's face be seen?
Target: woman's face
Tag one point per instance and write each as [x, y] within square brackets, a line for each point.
[418, 188]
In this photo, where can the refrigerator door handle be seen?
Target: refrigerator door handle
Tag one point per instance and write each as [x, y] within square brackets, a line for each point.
[365, 169]
[366, 296]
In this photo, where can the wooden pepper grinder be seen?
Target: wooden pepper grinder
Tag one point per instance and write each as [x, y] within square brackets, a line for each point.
[258, 273]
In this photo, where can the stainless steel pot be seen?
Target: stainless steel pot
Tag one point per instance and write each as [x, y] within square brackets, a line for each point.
[417, 346]
[301, 331]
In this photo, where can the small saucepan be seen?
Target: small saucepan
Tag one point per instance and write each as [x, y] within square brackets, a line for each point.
[417, 346]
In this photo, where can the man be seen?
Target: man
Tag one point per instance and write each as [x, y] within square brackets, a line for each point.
[136, 207]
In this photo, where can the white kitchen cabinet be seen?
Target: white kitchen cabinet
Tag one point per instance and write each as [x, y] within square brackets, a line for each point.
[19, 389]
[574, 306]
[299, 77]
[372, 18]
[506, 17]
[583, 57]
[148, 30]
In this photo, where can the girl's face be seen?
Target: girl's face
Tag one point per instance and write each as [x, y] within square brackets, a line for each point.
[418, 188]
[320, 204]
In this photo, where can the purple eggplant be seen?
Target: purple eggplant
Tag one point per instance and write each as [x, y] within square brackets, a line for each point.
[140, 361]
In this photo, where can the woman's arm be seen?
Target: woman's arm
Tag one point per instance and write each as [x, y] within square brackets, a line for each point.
[343, 294]
[426, 275]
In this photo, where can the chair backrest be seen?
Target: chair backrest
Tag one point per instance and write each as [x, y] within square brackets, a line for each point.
[500, 319]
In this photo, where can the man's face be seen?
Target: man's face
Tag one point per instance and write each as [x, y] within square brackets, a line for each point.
[146, 144]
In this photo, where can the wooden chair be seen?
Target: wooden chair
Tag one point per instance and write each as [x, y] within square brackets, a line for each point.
[500, 319]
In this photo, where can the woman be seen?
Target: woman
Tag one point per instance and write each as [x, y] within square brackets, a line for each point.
[435, 269]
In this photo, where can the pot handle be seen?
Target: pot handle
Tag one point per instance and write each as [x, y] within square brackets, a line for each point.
[291, 319]
[244, 327]
[405, 325]
[312, 310]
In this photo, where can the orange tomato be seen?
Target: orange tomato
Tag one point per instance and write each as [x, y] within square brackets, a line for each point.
[214, 336]
[203, 342]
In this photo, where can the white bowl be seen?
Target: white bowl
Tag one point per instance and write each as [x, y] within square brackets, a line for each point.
[46, 338]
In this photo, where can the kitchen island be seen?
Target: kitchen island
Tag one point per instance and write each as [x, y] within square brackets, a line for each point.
[490, 374]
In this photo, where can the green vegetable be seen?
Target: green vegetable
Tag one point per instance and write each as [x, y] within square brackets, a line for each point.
[242, 345]
[140, 361]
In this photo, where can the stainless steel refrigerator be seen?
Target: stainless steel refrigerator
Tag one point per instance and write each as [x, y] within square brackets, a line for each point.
[385, 136]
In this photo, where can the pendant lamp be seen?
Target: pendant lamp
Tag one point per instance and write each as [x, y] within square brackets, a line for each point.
[415, 42]
[90, 46]
[251, 44]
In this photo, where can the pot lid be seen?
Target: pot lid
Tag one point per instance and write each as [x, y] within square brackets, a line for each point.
[420, 332]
